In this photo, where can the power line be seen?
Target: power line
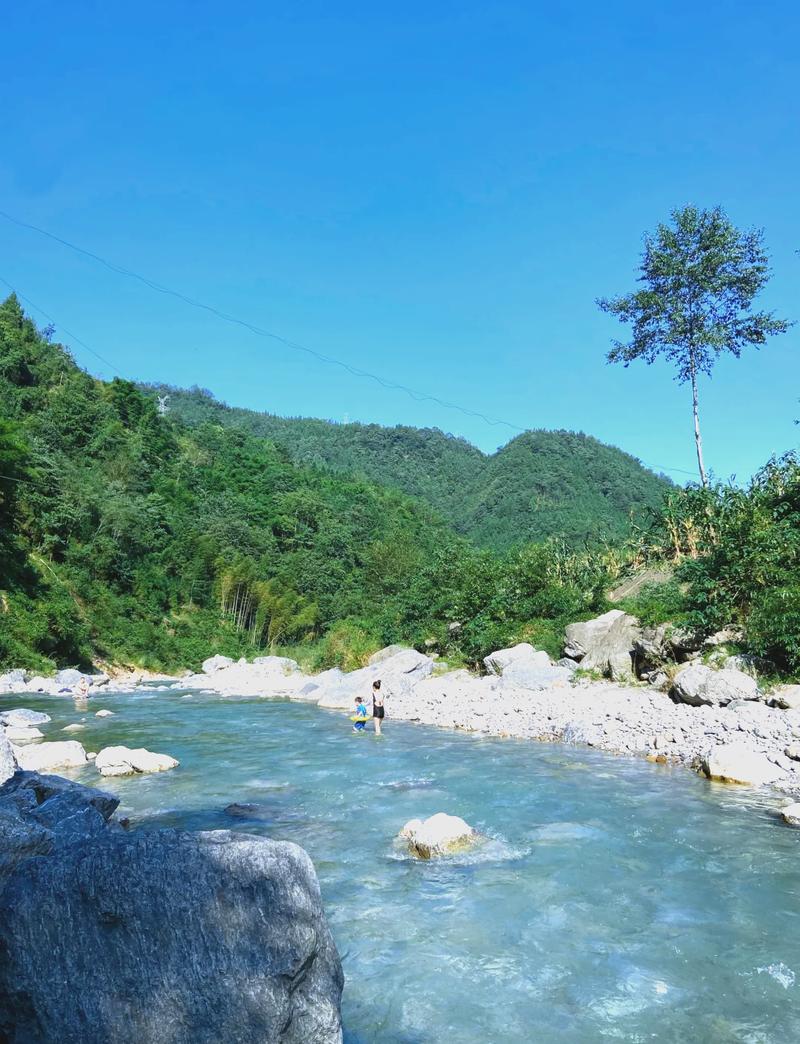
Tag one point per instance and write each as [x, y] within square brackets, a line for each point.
[72, 336]
[260, 331]
[418, 396]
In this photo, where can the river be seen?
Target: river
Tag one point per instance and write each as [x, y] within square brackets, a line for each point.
[613, 900]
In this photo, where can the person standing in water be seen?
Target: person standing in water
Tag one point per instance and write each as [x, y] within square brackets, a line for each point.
[378, 712]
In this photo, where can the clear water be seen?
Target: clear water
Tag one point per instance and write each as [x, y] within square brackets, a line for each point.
[615, 899]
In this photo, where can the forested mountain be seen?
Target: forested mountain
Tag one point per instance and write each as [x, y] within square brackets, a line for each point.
[541, 484]
[155, 541]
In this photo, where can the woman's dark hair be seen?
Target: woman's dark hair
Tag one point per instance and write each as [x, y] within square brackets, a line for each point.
[376, 684]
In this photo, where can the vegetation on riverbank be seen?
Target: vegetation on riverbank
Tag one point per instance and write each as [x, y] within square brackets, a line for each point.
[132, 537]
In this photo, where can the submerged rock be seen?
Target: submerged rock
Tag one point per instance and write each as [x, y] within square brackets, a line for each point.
[163, 937]
[104, 714]
[45, 756]
[123, 761]
[439, 835]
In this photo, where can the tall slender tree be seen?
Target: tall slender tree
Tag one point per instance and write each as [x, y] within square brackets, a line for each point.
[699, 276]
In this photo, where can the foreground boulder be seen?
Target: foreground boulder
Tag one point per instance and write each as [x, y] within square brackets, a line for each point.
[45, 756]
[738, 763]
[439, 835]
[791, 814]
[605, 644]
[163, 937]
[699, 685]
[123, 761]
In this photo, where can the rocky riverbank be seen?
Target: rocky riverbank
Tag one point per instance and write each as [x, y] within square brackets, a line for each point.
[713, 719]
[663, 697]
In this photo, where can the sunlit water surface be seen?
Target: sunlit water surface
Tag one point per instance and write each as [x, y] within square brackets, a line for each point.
[615, 899]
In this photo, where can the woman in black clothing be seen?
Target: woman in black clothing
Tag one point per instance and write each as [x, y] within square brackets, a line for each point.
[378, 712]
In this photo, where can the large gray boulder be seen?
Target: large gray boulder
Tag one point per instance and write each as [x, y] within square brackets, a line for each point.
[605, 644]
[164, 937]
[699, 685]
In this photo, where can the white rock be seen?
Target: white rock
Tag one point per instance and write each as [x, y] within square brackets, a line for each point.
[437, 836]
[104, 714]
[605, 644]
[68, 678]
[697, 684]
[739, 763]
[787, 696]
[40, 684]
[123, 761]
[23, 717]
[385, 654]
[74, 727]
[216, 663]
[791, 814]
[23, 733]
[398, 676]
[521, 655]
[12, 681]
[278, 664]
[8, 761]
[45, 756]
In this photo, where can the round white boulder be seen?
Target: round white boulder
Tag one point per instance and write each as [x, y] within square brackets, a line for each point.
[438, 835]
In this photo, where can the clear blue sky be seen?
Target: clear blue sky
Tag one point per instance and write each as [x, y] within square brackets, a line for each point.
[436, 192]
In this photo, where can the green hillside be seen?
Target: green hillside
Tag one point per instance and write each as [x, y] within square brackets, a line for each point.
[129, 536]
[541, 484]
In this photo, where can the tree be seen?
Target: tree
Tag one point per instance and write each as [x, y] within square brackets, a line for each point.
[700, 275]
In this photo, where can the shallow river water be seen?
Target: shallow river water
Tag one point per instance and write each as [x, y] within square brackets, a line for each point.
[614, 899]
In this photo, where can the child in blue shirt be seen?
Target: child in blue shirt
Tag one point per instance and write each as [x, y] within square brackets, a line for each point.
[360, 719]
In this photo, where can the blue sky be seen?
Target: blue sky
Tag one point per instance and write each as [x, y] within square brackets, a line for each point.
[436, 193]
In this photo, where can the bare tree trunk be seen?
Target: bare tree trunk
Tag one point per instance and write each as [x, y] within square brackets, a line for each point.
[697, 438]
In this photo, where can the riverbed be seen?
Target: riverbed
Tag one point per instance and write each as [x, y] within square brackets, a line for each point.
[610, 901]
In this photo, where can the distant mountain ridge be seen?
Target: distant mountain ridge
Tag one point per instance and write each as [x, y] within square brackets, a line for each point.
[541, 484]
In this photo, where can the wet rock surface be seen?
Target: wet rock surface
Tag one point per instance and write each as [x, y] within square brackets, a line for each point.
[161, 936]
